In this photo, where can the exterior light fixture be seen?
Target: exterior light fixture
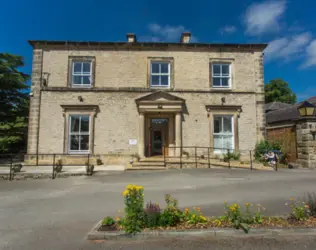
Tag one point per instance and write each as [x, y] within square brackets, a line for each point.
[306, 109]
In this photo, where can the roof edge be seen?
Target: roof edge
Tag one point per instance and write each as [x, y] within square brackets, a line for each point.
[35, 43]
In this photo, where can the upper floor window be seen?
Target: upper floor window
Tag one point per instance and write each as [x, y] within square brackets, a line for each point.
[81, 73]
[160, 74]
[221, 75]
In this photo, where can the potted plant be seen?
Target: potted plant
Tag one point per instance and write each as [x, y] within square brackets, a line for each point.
[59, 166]
[89, 169]
[17, 168]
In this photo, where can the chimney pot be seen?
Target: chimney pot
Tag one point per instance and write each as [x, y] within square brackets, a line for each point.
[131, 37]
[185, 37]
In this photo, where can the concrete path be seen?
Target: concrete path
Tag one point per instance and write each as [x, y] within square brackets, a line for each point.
[57, 214]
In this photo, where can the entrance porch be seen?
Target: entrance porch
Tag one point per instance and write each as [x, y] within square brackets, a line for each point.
[160, 118]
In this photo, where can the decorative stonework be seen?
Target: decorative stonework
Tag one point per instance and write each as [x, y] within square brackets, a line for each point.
[35, 100]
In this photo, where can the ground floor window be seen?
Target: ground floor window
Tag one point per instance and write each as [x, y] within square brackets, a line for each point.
[79, 133]
[223, 133]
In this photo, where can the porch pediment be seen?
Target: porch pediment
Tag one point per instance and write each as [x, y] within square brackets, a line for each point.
[159, 102]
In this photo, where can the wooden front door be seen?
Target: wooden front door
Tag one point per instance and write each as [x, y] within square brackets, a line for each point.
[158, 137]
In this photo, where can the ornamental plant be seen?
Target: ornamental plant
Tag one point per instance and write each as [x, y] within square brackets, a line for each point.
[194, 217]
[108, 221]
[134, 208]
[152, 215]
[300, 210]
[171, 216]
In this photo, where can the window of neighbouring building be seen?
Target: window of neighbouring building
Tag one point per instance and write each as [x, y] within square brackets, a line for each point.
[160, 74]
[223, 133]
[81, 74]
[79, 133]
[221, 75]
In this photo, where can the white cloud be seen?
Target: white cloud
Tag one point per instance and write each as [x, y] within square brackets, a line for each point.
[287, 48]
[264, 17]
[311, 55]
[228, 29]
[167, 33]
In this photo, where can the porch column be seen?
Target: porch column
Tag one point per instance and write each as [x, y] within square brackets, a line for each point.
[141, 138]
[178, 133]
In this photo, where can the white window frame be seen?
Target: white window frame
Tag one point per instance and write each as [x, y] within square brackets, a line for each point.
[220, 76]
[224, 150]
[73, 73]
[160, 74]
[79, 134]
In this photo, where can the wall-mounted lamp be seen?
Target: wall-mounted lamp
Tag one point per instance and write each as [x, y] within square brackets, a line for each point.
[238, 112]
[80, 98]
[45, 76]
[223, 99]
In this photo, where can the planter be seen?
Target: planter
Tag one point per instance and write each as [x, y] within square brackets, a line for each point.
[89, 169]
[17, 168]
[58, 168]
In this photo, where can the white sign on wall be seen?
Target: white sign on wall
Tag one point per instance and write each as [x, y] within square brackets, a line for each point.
[132, 141]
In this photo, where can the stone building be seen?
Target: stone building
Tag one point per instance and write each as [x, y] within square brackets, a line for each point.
[122, 98]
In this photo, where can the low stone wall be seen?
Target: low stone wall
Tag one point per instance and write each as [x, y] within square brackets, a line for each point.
[109, 159]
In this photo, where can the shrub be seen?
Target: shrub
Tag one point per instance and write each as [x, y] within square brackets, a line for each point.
[264, 146]
[108, 221]
[59, 166]
[311, 202]
[231, 156]
[194, 217]
[134, 208]
[99, 162]
[171, 216]
[300, 210]
[152, 215]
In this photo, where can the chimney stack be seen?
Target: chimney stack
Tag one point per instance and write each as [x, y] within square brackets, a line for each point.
[131, 37]
[185, 37]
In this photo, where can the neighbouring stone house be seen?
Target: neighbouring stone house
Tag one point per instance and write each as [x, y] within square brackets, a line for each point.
[296, 133]
[121, 98]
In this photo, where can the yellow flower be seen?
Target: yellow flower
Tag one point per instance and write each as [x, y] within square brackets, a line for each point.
[186, 210]
[117, 218]
[198, 209]
[125, 193]
[291, 199]
[247, 204]
[218, 222]
[307, 206]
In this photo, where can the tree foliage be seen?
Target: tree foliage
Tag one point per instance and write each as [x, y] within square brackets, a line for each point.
[279, 91]
[13, 103]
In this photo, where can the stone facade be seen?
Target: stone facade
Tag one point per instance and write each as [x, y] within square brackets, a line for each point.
[121, 76]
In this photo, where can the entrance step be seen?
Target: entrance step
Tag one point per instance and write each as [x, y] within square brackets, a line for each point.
[148, 165]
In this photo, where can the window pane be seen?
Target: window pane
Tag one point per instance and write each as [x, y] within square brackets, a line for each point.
[84, 142]
[84, 124]
[154, 80]
[86, 80]
[225, 82]
[228, 142]
[218, 141]
[76, 79]
[154, 67]
[164, 80]
[77, 67]
[217, 124]
[216, 69]
[216, 81]
[227, 124]
[164, 67]
[225, 69]
[74, 123]
[86, 67]
[74, 142]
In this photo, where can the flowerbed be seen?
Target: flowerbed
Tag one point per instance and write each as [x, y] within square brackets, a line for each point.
[139, 218]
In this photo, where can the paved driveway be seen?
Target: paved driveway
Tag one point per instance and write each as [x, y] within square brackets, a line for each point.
[57, 214]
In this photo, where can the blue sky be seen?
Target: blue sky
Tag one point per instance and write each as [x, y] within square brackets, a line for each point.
[289, 27]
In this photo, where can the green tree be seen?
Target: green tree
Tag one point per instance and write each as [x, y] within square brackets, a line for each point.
[13, 103]
[279, 91]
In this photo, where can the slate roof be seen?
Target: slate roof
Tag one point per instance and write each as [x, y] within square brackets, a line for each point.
[285, 112]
